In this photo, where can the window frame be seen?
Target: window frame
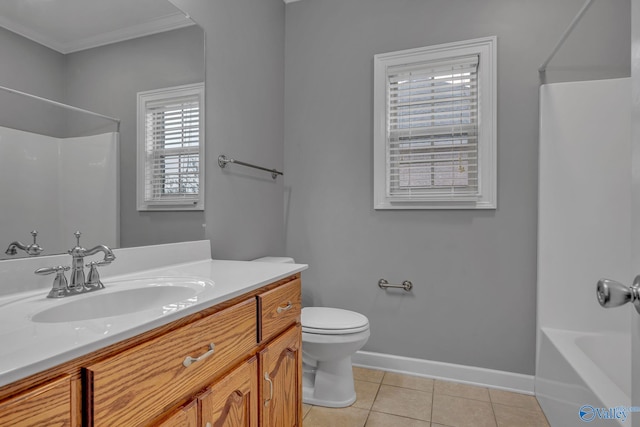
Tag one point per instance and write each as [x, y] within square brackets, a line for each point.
[486, 49]
[153, 96]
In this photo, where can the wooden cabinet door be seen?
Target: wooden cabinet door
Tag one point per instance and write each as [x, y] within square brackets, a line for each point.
[281, 381]
[186, 416]
[232, 401]
[47, 405]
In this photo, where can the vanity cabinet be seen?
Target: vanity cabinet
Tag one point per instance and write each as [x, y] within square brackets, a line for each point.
[187, 416]
[51, 404]
[233, 401]
[230, 402]
[135, 386]
[281, 358]
[236, 364]
[281, 374]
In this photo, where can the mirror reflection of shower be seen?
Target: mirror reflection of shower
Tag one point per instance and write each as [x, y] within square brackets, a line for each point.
[69, 67]
[57, 184]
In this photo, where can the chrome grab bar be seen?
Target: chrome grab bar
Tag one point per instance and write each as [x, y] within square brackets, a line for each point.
[406, 285]
[223, 160]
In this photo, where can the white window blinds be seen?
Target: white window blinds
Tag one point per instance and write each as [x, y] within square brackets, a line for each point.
[172, 150]
[432, 129]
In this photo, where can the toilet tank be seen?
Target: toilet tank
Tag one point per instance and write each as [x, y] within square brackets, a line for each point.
[276, 259]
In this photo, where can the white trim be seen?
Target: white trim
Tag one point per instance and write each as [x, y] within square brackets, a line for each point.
[501, 380]
[167, 93]
[159, 25]
[486, 47]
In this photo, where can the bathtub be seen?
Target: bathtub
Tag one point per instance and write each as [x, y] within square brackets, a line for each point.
[581, 368]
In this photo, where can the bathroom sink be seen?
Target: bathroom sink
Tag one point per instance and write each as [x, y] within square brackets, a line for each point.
[165, 294]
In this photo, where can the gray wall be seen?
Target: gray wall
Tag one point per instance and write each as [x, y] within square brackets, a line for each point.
[245, 103]
[106, 80]
[474, 272]
[30, 67]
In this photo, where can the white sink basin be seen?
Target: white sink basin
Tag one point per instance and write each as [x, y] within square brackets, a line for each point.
[127, 297]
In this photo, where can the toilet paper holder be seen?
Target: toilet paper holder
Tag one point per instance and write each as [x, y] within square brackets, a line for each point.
[406, 285]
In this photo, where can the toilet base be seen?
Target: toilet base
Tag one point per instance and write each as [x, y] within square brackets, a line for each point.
[331, 384]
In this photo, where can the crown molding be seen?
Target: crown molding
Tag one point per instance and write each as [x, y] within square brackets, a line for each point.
[165, 23]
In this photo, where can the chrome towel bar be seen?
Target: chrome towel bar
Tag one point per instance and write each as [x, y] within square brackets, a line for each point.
[406, 285]
[223, 160]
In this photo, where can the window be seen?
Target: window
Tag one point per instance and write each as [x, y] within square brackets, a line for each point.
[171, 148]
[435, 127]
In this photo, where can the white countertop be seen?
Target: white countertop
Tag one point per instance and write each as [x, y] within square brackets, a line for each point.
[29, 347]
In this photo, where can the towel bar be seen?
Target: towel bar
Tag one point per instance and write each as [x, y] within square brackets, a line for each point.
[223, 160]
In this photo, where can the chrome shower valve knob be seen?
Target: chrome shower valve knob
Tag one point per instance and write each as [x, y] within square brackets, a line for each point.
[613, 294]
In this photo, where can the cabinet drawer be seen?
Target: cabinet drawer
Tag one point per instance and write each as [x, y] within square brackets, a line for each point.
[137, 385]
[279, 309]
[47, 405]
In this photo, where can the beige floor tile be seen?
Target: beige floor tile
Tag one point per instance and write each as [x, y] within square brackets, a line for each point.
[379, 419]
[514, 399]
[511, 416]
[365, 394]
[305, 409]
[365, 374]
[408, 381]
[319, 416]
[460, 412]
[461, 390]
[404, 402]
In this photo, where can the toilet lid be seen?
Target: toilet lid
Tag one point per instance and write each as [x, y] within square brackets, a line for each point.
[326, 320]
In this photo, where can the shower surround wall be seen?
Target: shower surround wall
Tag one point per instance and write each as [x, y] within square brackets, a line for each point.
[583, 235]
[58, 186]
[474, 272]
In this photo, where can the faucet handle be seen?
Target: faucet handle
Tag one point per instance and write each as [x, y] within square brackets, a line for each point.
[93, 278]
[50, 270]
[60, 285]
[34, 248]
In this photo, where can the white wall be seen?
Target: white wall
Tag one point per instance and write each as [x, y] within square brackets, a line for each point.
[57, 186]
[584, 202]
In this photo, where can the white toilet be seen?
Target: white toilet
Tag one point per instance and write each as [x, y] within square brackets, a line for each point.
[329, 337]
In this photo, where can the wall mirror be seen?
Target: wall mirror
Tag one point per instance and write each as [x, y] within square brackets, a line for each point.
[95, 55]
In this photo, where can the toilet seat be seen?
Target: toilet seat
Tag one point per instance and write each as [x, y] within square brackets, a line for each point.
[332, 321]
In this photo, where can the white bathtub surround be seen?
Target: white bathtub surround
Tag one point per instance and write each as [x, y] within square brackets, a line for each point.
[483, 377]
[579, 368]
[29, 347]
[583, 350]
[58, 186]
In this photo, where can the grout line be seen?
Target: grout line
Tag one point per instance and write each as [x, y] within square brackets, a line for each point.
[433, 401]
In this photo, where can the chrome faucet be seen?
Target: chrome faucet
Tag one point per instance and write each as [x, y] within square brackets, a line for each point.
[33, 249]
[79, 283]
[77, 265]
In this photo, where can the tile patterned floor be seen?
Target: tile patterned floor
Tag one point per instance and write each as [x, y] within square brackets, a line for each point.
[386, 399]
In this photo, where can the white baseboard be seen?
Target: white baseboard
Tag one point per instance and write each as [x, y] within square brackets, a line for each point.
[502, 380]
